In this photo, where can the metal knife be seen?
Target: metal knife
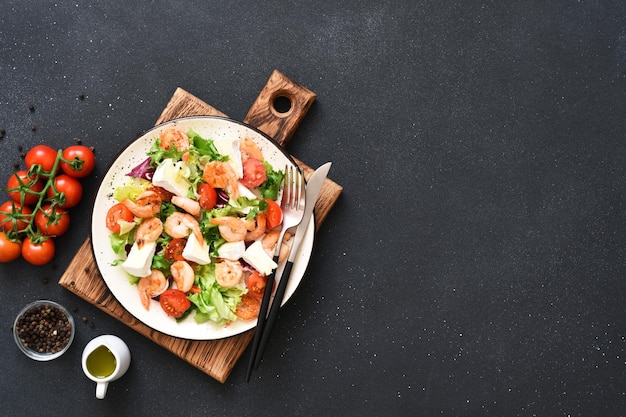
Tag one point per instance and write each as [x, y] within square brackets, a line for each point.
[313, 188]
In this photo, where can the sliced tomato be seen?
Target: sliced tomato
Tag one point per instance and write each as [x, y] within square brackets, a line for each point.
[28, 187]
[115, 214]
[273, 214]
[38, 253]
[52, 221]
[256, 284]
[207, 196]
[14, 217]
[174, 302]
[253, 173]
[9, 250]
[174, 250]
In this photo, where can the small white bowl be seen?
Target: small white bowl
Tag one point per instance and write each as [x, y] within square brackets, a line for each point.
[52, 332]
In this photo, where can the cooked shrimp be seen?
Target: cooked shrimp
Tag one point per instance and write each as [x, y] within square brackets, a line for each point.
[151, 286]
[269, 244]
[147, 204]
[180, 225]
[174, 137]
[162, 192]
[221, 175]
[148, 231]
[190, 206]
[228, 273]
[248, 308]
[183, 275]
[232, 229]
[249, 149]
[255, 227]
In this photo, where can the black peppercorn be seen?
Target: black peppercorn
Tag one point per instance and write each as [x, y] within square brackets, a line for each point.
[44, 328]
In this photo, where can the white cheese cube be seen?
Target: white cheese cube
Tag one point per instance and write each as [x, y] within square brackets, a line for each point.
[139, 260]
[195, 251]
[232, 250]
[230, 148]
[171, 176]
[256, 256]
[246, 192]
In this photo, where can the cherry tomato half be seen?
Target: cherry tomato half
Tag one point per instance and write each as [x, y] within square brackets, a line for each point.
[52, 222]
[42, 155]
[174, 302]
[9, 250]
[273, 214]
[174, 250]
[207, 196]
[31, 186]
[115, 214]
[38, 253]
[82, 153]
[253, 173]
[17, 218]
[256, 283]
[70, 186]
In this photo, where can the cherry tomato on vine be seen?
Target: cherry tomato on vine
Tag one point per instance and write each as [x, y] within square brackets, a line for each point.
[273, 214]
[42, 155]
[9, 250]
[16, 218]
[29, 187]
[81, 153]
[52, 222]
[38, 253]
[207, 196]
[174, 302]
[70, 186]
[116, 213]
[253, 173]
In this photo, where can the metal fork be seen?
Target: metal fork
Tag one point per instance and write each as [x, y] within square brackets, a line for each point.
[292, 205]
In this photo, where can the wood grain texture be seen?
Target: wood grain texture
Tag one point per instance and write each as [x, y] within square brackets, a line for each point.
[264, 115]
[215, 357]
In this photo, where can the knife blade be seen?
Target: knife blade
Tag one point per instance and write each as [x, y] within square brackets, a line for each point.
[313, 189]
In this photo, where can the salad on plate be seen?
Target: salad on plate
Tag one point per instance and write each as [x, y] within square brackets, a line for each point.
[194, 226]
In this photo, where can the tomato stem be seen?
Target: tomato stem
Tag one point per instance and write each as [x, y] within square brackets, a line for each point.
[55, 200]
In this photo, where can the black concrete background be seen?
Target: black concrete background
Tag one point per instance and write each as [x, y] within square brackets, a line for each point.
[474, 264]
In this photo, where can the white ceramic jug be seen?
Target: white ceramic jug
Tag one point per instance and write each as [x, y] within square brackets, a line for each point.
[105, 359]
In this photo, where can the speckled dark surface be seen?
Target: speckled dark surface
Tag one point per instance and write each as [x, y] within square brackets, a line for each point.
[473, 266]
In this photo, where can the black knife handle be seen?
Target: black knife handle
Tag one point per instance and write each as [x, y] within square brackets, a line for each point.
[271, 318]
[265, 302]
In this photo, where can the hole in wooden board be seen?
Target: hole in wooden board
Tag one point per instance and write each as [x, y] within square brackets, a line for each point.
[282, 105]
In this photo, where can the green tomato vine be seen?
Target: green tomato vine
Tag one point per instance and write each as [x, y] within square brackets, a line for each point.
[16, 216]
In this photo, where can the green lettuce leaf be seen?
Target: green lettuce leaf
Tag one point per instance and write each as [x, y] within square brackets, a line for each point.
[271, 186]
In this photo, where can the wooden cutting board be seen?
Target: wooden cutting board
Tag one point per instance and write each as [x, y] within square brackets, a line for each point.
[215, 357]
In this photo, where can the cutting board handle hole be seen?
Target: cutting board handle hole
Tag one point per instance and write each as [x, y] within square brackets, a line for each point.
[282, 104]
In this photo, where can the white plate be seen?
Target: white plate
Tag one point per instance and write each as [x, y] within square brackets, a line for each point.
[116, 279]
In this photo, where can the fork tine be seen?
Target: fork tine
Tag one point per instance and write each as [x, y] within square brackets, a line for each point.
[302, 190]
[293, 176]
[296, 189]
